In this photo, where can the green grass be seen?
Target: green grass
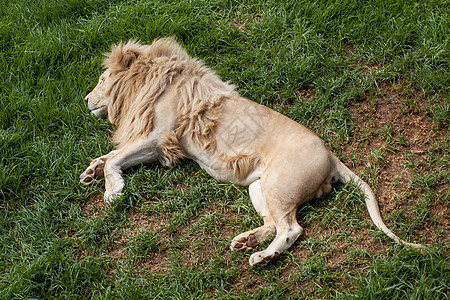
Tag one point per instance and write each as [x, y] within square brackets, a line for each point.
[317, 62]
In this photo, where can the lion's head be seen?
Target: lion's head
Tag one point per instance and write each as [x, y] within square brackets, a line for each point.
[118, 61]
[138, 76]
[96, 100]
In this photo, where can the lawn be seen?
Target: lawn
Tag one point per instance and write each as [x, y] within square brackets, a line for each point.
[370, 77]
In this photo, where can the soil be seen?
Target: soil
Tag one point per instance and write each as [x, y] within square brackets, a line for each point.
[412, 125]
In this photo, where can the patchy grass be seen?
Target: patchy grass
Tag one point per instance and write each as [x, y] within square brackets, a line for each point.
[370, 77]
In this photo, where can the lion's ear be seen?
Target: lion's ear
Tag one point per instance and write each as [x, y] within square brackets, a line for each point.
[122, 56]
[128, 59]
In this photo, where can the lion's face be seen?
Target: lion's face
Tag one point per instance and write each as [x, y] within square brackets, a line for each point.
[97, 100]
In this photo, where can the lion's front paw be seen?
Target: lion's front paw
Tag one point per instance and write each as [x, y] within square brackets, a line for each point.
[93, 172]
[263, 257]
[111, 197]
[244, 242]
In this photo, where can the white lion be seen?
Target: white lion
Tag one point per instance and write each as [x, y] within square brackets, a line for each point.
[167, 106]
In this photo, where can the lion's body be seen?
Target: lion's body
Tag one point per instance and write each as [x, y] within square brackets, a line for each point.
[167, 106]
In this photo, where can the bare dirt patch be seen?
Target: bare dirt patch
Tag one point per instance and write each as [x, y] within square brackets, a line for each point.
[395, 122]
[95, 208]
[157, 263]
[305, 93]
[137, 222]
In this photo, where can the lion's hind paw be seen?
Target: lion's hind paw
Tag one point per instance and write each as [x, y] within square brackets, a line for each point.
[263, 257]
[244, 243]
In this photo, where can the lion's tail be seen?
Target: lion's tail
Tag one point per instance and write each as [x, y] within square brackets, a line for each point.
[345, 175]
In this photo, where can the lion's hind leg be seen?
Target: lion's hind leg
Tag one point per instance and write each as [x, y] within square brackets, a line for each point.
[281, 195]
[287, 232]
[249, 240]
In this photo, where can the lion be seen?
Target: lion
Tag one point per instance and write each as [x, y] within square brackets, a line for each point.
[167, 106]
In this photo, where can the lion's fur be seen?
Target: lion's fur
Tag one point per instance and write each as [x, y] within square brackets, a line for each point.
[166, 106]
[140, 77]
[242, 164]
[171, 151]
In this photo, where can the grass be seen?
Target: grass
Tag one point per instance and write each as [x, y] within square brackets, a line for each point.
[370, 77]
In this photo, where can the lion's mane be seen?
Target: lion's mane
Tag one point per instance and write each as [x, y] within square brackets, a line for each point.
[141, 74]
